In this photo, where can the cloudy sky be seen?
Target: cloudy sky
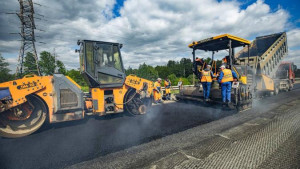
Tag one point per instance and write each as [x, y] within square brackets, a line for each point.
[152, 31]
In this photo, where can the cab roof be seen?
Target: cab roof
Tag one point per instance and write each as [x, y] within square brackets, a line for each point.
[220, 42]
[102, 42]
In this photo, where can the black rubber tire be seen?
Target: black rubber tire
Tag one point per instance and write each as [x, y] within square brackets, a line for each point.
[25, 127]
[133, 108]
[290, 87]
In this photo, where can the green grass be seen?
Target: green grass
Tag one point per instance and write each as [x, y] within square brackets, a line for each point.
[175, 91]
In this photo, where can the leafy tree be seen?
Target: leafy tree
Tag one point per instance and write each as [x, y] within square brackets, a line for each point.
[163, 71]
[130, 71]
[61, 67]
[183, 68]
[173, 70]
[174, 80]
[171, 63]
[76, 76]
[48, 64]
[208, 61]
[30, 64]
[190, 78]
[147, 72]
[185, 81]
[4, 71]
[186, 67]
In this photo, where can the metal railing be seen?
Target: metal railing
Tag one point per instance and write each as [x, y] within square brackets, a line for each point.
[174, 87]
[162, 88]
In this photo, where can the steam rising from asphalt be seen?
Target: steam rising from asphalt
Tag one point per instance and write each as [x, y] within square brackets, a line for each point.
[156, 123]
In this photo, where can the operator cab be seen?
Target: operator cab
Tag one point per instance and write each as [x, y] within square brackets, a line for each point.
[101, 63]
[215, 44]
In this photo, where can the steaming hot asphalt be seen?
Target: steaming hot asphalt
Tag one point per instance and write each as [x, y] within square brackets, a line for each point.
[63, 144]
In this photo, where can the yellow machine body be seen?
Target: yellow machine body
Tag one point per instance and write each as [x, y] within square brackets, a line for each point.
[41, 86]
[243, 79]
[27, 102]
[132, 82]
[264, 83]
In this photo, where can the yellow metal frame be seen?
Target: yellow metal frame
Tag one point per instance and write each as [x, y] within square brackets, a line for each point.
[41, 86]
[73, 82]
[265, 83]
[229, 36]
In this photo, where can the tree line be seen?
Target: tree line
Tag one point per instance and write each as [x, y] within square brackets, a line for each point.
[173, 70]
[48, 66]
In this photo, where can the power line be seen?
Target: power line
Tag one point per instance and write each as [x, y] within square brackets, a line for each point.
[28, 27]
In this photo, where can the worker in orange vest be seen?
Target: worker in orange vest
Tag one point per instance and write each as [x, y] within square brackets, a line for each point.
[156, 91]
[226, 78]
[168, 89]
[206, 80]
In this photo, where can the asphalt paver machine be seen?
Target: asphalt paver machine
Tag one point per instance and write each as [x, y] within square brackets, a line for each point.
[242, 89]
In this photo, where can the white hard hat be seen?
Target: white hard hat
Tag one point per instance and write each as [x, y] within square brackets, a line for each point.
[158, 79]
[208, 66]
[222, 66]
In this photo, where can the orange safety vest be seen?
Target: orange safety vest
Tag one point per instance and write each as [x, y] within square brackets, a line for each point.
[157, 86]
[167, 84]
[227, 76]
[206, 76]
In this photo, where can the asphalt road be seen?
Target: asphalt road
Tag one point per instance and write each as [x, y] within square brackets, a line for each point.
[64, 144]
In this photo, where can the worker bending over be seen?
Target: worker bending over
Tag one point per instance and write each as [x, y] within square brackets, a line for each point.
[168, 89]
[226, 78]
[206, 80]
[156, 91]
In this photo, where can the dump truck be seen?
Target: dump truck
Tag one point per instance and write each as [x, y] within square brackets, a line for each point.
[242, 90]
[285, 75]
[26, 103]
[266, 53]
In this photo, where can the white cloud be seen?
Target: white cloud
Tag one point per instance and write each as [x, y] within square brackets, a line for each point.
[154, 31]
[163, 29]
[294, 56]
[294, 38]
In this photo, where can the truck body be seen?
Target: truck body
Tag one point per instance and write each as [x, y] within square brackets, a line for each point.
[285, 76]
[265, 55]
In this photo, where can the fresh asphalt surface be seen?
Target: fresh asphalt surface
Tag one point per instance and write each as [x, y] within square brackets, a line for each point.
[63, 144]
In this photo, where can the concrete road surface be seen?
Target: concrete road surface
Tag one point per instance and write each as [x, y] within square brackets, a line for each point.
[119, 141]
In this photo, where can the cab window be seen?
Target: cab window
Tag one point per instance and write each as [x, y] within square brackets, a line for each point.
[109, 56]
[90, 59]
[117, 59]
